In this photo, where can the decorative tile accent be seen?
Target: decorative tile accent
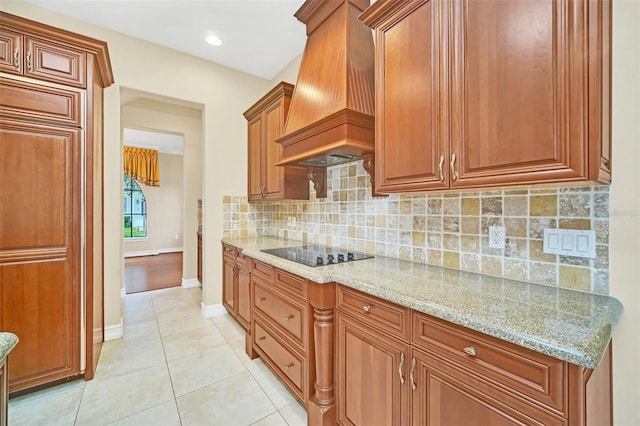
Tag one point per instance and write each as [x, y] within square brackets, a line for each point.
[444, 229]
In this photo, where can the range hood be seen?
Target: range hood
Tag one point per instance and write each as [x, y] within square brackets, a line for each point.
[331, 115]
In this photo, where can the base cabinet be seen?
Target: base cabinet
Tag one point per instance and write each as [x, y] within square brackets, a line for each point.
[431, 372]
[371, 370]
[236, 296]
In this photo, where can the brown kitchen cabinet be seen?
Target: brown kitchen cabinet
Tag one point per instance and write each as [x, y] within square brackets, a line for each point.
[458, 106]
[236, 297]
[397, 366]
[266, 181]
[280, 326]
[51, 258]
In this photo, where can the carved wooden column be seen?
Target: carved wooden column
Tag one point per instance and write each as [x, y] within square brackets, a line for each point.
[369, 164]
[321, 408]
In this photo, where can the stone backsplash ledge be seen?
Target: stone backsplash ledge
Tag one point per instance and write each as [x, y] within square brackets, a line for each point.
[444, 229]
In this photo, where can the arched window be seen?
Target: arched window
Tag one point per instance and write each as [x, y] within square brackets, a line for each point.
[135, 209]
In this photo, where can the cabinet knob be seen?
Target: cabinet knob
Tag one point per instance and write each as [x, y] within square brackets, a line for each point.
[262, 299]
[470, 350]
[262, 338]
[288, 317]
[291, 364]
[366, 308]
[16, 58]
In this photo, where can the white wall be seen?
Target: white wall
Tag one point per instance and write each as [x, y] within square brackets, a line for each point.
[224, 94]
[624, 242]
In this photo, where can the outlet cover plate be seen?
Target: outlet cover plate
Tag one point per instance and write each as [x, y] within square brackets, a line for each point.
[496, 237]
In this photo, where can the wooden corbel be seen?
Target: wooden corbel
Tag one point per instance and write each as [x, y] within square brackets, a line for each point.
[369, 165]
[318, 175]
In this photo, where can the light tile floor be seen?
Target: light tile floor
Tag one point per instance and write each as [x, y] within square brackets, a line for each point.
[172, 367]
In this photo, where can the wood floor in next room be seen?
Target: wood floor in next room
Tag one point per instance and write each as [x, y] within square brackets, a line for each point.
[145, 273]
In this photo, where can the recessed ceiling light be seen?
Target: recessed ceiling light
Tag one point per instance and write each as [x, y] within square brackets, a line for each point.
[213, 40]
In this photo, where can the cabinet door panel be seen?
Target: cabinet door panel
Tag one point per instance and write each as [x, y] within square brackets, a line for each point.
[39, 250]
[11, 51]
[255, 159]
[228, 287]
[446, 396]
[409, 138]
[54, 62]
[274, 174]
[244, 299]
[517, 106]
[370, 391]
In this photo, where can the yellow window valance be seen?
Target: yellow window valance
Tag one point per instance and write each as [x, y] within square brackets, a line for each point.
[142, 165]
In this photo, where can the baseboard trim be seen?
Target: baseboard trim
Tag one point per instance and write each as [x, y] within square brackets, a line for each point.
[153, 252]
[209, 311]
[114, 332]
[190, 283]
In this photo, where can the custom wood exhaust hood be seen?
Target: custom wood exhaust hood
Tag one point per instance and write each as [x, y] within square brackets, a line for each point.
[331, 116]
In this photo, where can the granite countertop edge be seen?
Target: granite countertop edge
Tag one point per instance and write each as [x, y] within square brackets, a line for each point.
[587, 351]
[7, 342]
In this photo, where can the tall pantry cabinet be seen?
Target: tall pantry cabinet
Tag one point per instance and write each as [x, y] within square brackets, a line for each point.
[51, 224]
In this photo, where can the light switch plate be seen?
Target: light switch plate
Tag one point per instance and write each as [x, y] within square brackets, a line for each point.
[570, 242]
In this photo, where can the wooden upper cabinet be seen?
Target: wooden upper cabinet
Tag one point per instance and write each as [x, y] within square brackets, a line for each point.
[53, 62]
[266, 181]
[409, 138]
[42, 59]
[492, 92]
[10, 51]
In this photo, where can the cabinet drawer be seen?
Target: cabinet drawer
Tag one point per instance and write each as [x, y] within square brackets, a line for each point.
[529, 374]
[291, 283]
[288, 364]
[383, 315]
[263, 271]
[36, 102]
[288, 316]
[229, 251]
[242, 260]
[55, 62]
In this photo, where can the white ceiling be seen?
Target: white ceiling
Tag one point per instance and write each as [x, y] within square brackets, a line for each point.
[260, 37]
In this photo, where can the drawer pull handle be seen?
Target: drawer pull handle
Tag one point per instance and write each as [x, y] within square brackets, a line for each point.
[29, 64]
[288, 317]
[470, 350]
[262, 337]
[366, 308]
[441, 175]
[16, 58]
[413, 368]
[400, 368]
[287, 366]
[262, 299]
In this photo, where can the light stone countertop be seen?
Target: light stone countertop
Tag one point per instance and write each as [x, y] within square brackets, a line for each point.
[7, 342]
[569, 325]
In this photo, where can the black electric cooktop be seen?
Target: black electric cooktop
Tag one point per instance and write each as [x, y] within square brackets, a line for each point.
[317, 255]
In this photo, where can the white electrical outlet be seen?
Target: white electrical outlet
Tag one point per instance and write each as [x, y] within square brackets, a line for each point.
[496, 237]
[293, 221]
[289, 221]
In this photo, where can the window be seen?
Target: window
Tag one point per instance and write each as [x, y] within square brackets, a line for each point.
[135, 210]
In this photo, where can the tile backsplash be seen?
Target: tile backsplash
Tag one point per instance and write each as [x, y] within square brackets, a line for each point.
[445, 229]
